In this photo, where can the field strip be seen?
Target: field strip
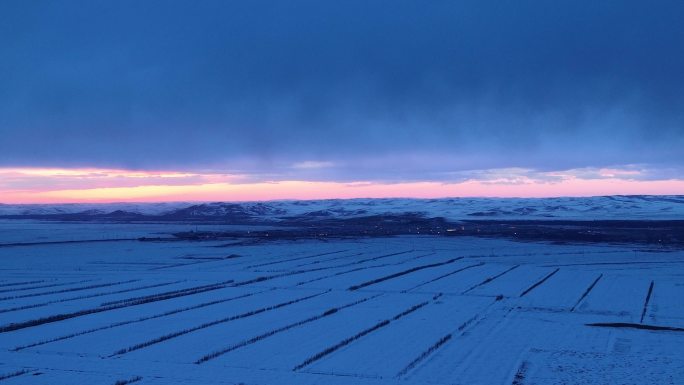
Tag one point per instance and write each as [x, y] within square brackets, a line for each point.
[336, 274]
[402, 273]
[586, 292]
[363, 268]
[445, 275]
[260, 337]
[330, 259]
[20, 283]
[43, 286]
[617, 263]
[311, 270]
[141, 319]
[529, 289]
[71, 289]
[173, 293]
[646, 301]
[358, 335]
[294, 259]
[617, 295]
[15, 244]
[180, 264]
[490, 279]
[425, 354]
[31, 306]
[434, 347]
[394, 351]
[360, 261]
[133, 302]
[205, 325]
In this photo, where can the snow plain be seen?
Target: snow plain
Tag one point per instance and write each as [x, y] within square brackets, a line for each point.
[400, 310]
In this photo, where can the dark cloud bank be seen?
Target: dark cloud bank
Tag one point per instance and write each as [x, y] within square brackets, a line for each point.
[379, 89]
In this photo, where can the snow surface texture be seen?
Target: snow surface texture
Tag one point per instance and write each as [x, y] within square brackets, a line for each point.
[402, 310]
[608, 207]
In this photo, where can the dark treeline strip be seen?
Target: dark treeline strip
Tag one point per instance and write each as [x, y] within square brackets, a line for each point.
[529, 289]
[205, 325]
[351, 264]
[361, 261]
[43, 286]
[490, 279]
[294, 259]
[71, 289]
[586, 292]
[646, 301]
[402, 273]
[128, 381]
[357, 336]
[519, 376]
[195, 262]
[80, 313]
[21, 283]
[374, 259]
[173, 293]
[446, 275]
[32, 306]
[15, 244]
[339, 273]
[424, 355]
[18, 373]
[433, 348]
[141, 319]
[270, 333]
[269, 277]
[316, 262]
[363, 268]
[636, 326]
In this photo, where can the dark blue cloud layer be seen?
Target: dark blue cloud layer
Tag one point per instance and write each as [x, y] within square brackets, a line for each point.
[382, 89]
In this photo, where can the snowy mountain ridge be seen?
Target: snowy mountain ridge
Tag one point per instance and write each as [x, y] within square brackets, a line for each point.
[660, 207]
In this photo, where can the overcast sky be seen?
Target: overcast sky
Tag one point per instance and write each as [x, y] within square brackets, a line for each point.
[347, 90]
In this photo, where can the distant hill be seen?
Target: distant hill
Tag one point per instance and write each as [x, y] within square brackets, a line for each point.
[638, 207]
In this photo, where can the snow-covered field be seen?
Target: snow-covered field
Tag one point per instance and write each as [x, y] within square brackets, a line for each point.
[401, 310]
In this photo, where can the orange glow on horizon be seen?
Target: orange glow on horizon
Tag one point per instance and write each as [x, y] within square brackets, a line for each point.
[37, 186]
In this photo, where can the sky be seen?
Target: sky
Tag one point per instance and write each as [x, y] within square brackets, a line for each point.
[263, 99]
